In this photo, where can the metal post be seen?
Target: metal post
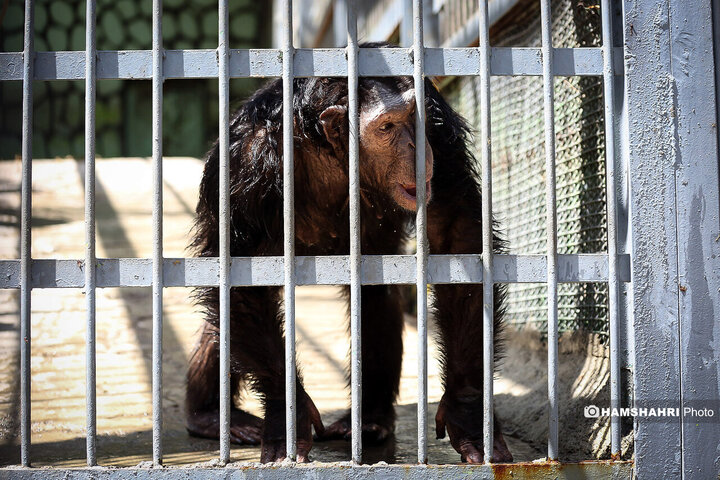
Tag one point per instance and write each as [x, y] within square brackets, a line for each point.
[289, 222]
[157, 281]
[355, 233]
[224, 286]
[551, 212]
[488, 300]
[674, 199]
[26, 232]
[90, 79]
[421, 227]
[716, 51]
[609, 94]
[697, 195]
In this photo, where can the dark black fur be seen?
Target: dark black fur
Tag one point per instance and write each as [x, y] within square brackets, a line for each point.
[454, 226]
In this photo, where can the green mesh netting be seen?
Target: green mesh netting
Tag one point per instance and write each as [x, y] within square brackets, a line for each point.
[519, 162]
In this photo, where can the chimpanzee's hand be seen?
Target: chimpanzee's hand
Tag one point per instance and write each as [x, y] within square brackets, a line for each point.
[245, 428]
[273, 438]
[463, 419]
[376, 427]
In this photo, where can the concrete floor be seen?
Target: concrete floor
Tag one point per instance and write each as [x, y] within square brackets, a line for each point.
[124, 331]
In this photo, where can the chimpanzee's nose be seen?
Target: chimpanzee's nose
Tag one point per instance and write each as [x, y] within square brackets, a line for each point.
[410, 132]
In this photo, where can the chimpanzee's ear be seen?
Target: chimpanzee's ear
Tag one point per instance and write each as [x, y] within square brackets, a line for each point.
[334, 124]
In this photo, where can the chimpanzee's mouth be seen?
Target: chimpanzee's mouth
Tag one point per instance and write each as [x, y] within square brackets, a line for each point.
[409, 191]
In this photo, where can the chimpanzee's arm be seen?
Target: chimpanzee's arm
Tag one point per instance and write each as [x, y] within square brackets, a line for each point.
[455, 226]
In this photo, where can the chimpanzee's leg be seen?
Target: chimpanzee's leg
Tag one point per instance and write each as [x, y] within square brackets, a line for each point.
[382, 326]
[203, 395]
[257, 350]
[455, 226]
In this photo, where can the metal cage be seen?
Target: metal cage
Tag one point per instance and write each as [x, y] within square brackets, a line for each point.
[662, 264]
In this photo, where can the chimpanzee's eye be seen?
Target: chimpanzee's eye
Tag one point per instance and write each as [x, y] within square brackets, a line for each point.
[386, 126]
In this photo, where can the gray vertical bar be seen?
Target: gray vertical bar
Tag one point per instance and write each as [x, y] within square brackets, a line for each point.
[697, 171]
[609, 94]
[277, 32]
[430, 25]
[406, 24]
[551, 212]
[300, 26]
[26, 232]
[157, 289]
[421, 227]
[655, 163]
[716, 51]
[90, 79]
[224, 287]
[355, 232]
[339, 25]
[487, 240]
[289, 221]
[653, 160]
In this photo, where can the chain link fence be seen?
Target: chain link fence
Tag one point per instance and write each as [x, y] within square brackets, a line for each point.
[519, 162]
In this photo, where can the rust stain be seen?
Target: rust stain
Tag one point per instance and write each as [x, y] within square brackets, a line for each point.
[526, 469]
[609, 461]
[551, 469]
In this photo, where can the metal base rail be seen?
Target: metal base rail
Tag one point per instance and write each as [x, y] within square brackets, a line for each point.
[281, 471]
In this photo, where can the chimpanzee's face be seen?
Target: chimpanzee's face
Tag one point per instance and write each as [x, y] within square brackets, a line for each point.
[387, 144]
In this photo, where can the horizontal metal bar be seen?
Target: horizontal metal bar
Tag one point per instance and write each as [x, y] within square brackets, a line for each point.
[536, 471]
[321, 270]
[137, 64]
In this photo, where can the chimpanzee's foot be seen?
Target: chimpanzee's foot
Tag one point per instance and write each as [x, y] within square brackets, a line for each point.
[273, 436]
[375, 429]
[245, 428]
[463, 420]
[274, 450]
[501, 453]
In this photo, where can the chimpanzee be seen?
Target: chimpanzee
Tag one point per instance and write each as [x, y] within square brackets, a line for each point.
[387, 188]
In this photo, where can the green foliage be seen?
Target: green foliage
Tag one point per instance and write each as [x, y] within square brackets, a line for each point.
[124, 116]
